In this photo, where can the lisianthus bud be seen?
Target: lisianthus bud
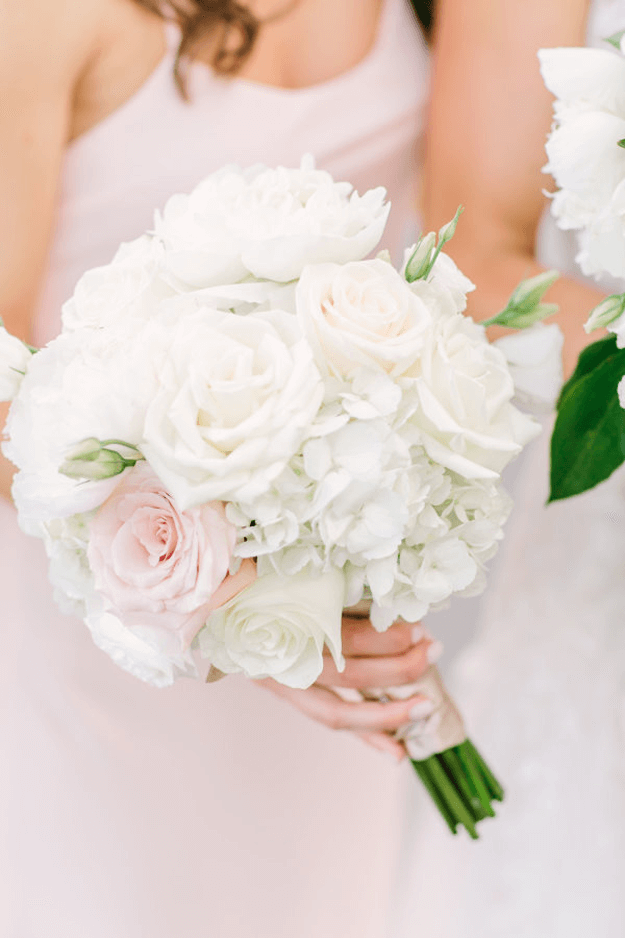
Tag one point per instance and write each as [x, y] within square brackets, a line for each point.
[530, 292]
[420, 261]
[447, 232]
[93, 460]
[607, 312]
[616, 39]
[525, 307]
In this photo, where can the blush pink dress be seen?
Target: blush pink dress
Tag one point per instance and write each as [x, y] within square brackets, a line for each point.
[197, 811]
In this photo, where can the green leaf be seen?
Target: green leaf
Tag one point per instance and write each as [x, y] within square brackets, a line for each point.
[588, 441]
[589, 359]
[621, 143]
[615, 39]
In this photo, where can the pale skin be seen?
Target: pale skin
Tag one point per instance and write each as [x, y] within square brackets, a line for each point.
[489, 118]
[64, 66]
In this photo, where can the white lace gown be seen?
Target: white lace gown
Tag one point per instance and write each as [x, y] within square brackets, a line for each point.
[543, 691]
[195, 811]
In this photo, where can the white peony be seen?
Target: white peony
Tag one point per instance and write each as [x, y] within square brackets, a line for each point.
[584, 155]
[278, 627]
[534, 357]
[129, 286]
[15, 359]
[466, 417]
[236, 398]
[361, 315]
[269, 223]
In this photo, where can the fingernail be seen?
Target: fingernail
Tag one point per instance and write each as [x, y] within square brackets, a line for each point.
[421, 710]
[434, 652]
[417, 633]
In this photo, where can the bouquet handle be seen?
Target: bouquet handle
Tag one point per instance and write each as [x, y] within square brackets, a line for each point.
[454, 773]
[457, 778]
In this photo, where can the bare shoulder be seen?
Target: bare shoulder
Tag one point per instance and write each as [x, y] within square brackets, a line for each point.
[56, 39]
[45, 39]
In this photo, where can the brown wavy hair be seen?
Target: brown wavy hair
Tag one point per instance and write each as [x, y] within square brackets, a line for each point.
[231, 26]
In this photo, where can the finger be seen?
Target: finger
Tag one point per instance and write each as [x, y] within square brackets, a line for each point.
[384, 671]
[324, 706]
[361, 639]
[384, 743]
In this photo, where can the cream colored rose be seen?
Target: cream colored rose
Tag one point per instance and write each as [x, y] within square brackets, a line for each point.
[361, 315]
[465, 388]
[278, 627]
[237, 396]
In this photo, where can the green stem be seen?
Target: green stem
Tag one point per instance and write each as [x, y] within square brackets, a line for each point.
[424, 775]
[464, 782]
[496, 791]
[473, 773]
[452, 797]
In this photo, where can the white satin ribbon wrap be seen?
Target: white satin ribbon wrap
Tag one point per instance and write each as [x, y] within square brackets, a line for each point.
[439, 730]
[436, 732]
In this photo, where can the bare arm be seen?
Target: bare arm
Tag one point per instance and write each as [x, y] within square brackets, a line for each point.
[42, 53]
[490, 115]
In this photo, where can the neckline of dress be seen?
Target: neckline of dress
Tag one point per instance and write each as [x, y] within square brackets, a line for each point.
[382, 30]
[172, 37]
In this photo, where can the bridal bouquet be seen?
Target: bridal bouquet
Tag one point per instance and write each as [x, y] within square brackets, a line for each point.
[586, 152]
[245, 427]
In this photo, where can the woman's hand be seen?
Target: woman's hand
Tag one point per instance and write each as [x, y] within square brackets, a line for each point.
[398, 656]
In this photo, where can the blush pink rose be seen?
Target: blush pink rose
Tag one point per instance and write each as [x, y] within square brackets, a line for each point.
[160, 568]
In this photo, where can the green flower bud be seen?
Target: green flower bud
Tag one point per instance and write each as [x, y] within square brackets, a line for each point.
[530, 292]
[606, 312]
[104, 466]
[615, 39]
[447, 232]
[525, 307]
[420, 261]
[93, 460]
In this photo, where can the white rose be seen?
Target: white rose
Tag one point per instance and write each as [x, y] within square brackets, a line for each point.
[267, 222]
[534, 357]
[237, 396]
[277, 628]
[361, 315]
[584, 156]
[445, 288]
[465, 388]
[15, 359]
